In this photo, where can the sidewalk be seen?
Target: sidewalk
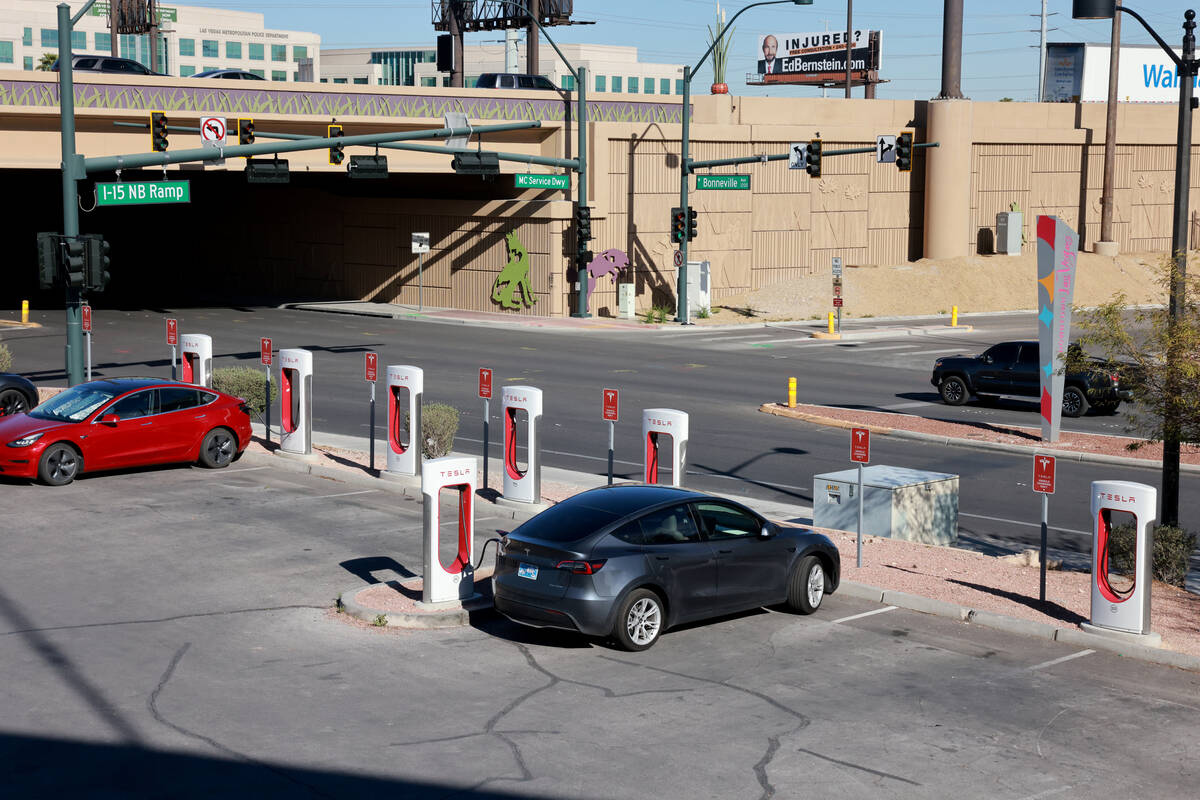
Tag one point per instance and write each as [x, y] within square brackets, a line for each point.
[967, 586]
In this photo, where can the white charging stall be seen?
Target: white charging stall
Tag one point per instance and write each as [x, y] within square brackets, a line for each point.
[1119, 607]
[522, 485]
[196, 354]
[406, 385]
[456, 581]
[659, 422]
[295, 401]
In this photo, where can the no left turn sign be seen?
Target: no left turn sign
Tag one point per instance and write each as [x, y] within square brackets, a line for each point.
[212, 129]
[677, 258]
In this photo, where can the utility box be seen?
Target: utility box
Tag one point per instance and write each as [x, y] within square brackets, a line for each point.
[898, 503]
[626, 300]
[698, 288]
[1009, 225]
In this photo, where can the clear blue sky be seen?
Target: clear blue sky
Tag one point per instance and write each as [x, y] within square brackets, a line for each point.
[1000, 54]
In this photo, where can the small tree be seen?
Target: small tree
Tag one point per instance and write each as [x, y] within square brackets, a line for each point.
[720, 55]
[46, 61]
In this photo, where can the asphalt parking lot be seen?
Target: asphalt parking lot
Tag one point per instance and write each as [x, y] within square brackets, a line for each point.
[170, 632]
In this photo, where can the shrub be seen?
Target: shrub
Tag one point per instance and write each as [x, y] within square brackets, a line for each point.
[439, 424]
[1170, 553]
[246, 383]
[5, 358]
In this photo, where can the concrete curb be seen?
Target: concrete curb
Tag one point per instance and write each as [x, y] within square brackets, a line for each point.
[990, 619]
[450, 617]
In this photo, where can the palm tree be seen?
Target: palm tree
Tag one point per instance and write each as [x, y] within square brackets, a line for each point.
[47, 60]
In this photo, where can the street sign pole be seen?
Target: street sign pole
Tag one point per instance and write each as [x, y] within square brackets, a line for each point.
[371, 374]
[860, 512]
[264, 348]
[172, 362]
[610, 411]
[612, 431]
[860, 451]
[420, 281]
[1042, 554]
[371, 428]
[87, 331]
[1043, 483]
[485, 393]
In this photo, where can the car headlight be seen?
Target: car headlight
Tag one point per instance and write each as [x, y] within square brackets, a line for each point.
[28, 440]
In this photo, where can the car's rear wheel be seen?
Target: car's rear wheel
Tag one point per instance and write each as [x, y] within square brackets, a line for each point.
[218, 448]
[59, 465]
[953, 391]
[639, 621]
[806, 587]
[12, 402]
[1074, 402]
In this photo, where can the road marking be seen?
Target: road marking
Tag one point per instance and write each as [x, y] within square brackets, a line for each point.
[1026, 524]
[889, 347]
[864, 614]
[342, 494]
[898, 406]
[1048, 793]
[733, 338]
[1051, 663]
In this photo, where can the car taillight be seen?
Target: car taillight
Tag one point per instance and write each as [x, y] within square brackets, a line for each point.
[1116, 379]
[581, 567]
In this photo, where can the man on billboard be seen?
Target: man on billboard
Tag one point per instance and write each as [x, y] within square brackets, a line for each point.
[768, 64]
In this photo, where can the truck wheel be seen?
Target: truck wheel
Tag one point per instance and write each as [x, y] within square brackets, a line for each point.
[953, 391]
[1074, 402]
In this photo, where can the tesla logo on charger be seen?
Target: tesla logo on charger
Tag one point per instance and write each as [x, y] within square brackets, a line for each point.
[1116, 498]
[289, 360]
[658, 423]
[455, 473]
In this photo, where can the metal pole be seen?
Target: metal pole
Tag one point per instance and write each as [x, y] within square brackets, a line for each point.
[455, 30]
[70, 207]
[89, 354]
[839, 319]
[1179, 236]
[612, 429]
[952, 22]
[112, 27]
[267, 403]
[531, 39]
[420, 281]
[173, 362]
[860, 511]
[849, 41]
[681, 281]
[580, 245]
[1042, 56]
[486, 443]
[1042, 554]
[1110, 132]
[371, 429]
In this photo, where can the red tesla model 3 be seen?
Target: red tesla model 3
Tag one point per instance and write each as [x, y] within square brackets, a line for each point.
[123, 422]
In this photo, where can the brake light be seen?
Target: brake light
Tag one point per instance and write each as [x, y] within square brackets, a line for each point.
[1116, 378]
[581, 567]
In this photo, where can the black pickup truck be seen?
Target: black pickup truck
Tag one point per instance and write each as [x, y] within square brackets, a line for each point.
[1011, 368]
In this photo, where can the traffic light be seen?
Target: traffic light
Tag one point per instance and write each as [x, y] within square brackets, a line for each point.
[158, 132]
[245, 131]
[337, 153]
[47, 244]
[75, 260]
[96, 263]
[583, 225]
[904, 145]
[582, 259]
[814, 158]
[678, 225]
[691, 224]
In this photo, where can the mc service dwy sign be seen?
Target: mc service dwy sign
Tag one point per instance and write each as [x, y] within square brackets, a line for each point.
[143, 193]
[526, 180]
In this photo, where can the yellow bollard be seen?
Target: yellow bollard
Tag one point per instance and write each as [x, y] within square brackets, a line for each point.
[24, 312]
[953, 316]
[831, 322]
[791, 392]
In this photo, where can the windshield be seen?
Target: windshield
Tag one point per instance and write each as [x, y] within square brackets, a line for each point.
[74, 404]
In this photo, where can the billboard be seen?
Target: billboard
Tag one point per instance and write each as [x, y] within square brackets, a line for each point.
[815, 58]
[1079, 72]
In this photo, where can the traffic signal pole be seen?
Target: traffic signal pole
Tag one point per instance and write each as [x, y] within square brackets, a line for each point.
[581, 185]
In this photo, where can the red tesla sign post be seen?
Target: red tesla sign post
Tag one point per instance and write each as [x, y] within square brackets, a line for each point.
[370, 375]
[610, 404]
[1043, 484]
[264, 347]
[86, 311]
[860, 453]
[485, 394]
[172, 340]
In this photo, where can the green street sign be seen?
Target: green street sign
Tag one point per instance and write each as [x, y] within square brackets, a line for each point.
[722, 182]
[143, 193]
[525, 180]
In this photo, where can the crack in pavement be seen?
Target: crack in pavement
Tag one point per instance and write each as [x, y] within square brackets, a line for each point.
[856, 766]
[152, 705]
[175, 618]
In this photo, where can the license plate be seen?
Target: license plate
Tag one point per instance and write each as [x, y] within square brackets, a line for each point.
[527, 571]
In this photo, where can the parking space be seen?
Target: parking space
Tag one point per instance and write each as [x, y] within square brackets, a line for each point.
[170, 631]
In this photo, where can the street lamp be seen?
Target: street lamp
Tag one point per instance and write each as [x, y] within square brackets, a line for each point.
[684, 161]
[1187, 67]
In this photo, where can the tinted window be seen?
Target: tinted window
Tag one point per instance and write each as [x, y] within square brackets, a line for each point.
[542, 83]
[86, 63]
[139, 404]
[506, 81]
[486, 81]
[669, 526]
[1003, 353]
[567, 522]
[630, 532]
[206, 398]
[1029, 353]
[726, 522]
[74, 404]
[177, 399]
[525, 82]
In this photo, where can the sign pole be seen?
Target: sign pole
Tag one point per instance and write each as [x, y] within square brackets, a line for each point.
[612, 430]
[89, 355]
[1043, 482]
[371, 375]
[1042, 556]
[371, 428]
[267, 404]
[860, 452]
[860, 512]
[172, 362]
[610, 406]
[86, 313]
[486, 411]
[420, 281]
[264, 358]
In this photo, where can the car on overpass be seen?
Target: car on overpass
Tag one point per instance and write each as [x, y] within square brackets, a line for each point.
[126, 66]
[229, 75]
[630, 561]
[508, 80]
[120, 423]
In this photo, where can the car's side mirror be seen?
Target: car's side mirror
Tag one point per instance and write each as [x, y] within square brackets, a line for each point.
[768, 530]
[109, 419]
[988, 359]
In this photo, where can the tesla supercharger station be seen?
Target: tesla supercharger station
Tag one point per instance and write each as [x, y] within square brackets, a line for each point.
[295, 401]
[196, 352]
[523, 486]
[457, 581]
[659, 422]
[1127, 611]
[404, 459]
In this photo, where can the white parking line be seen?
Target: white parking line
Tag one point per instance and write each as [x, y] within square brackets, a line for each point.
[1026, 524]
[864, 614]
[735, 338]
[1051, 663]
[342, 494]
[889, 347]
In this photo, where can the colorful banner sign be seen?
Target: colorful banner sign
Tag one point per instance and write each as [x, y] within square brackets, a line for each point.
[1057, 250]
[813, 58]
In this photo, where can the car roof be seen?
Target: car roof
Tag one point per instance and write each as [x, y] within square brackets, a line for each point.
[122, 385]
[626, 498]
